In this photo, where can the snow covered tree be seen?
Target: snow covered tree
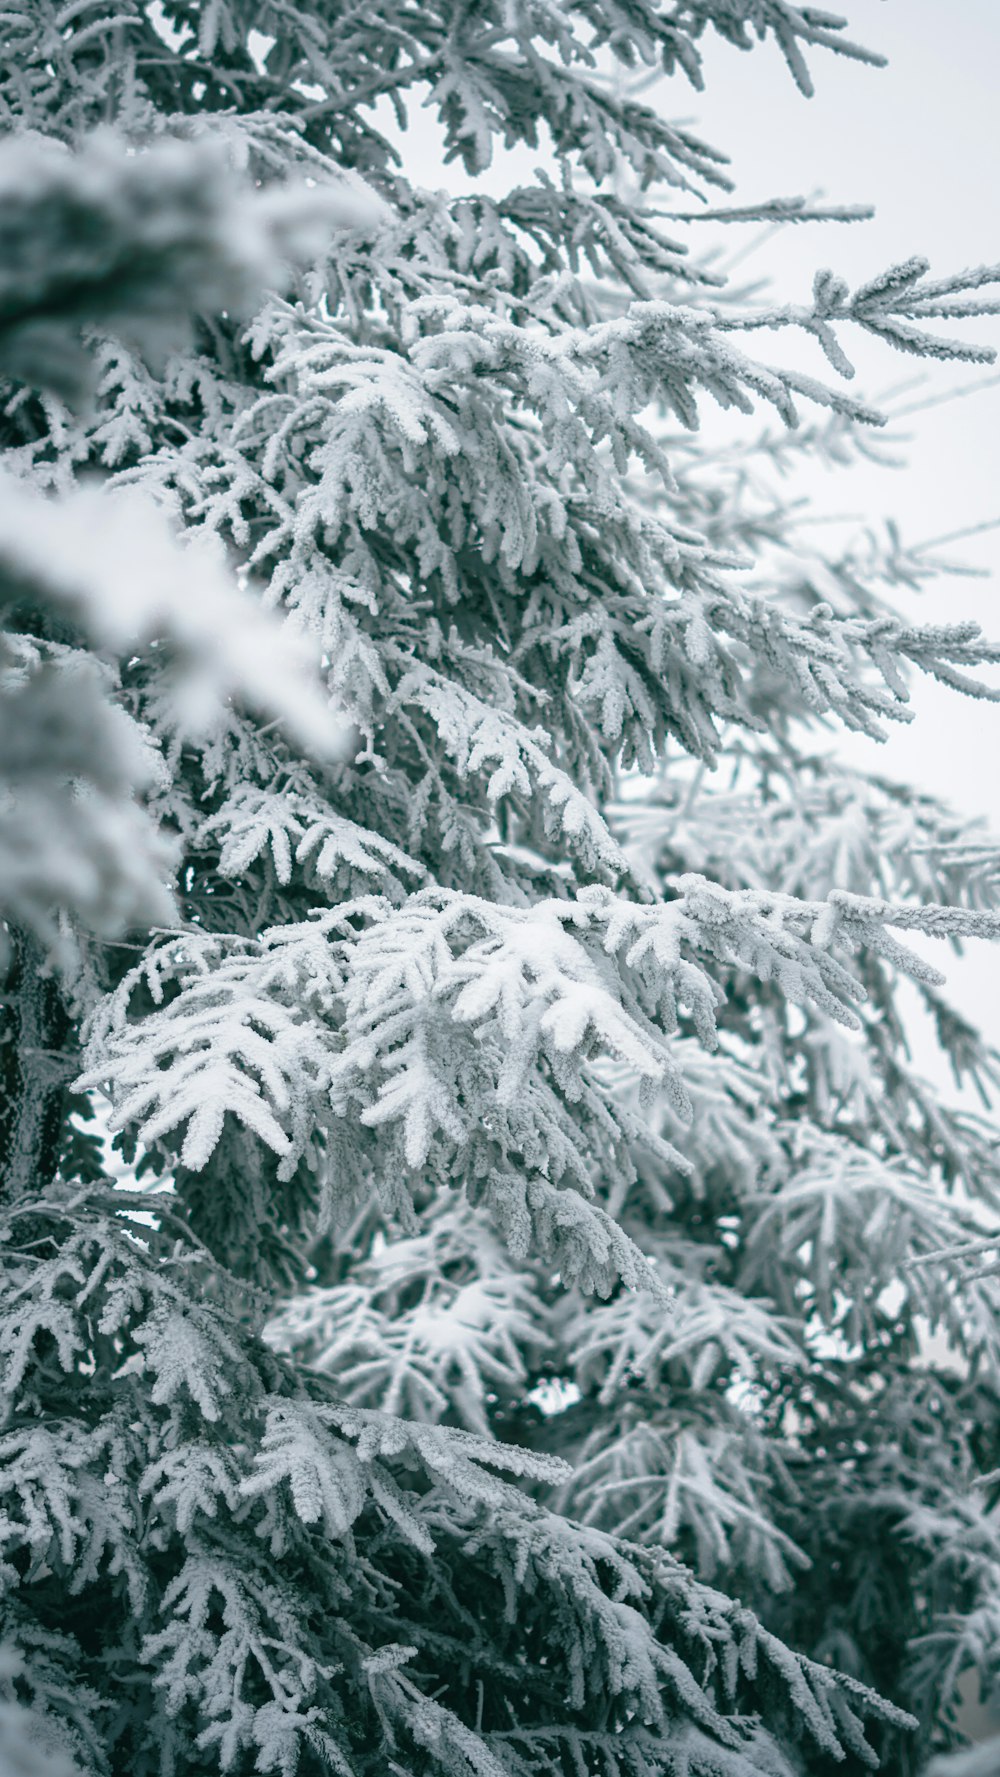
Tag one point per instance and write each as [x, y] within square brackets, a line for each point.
[493, 1344]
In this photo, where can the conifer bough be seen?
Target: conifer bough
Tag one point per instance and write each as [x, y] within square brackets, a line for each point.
[491, 1344]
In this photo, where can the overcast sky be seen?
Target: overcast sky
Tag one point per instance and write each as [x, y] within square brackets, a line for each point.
[921, 141]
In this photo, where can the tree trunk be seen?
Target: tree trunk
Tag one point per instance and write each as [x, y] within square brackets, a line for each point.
[34, 1070]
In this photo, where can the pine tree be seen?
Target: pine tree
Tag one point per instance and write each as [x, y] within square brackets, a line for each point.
[494, 1342]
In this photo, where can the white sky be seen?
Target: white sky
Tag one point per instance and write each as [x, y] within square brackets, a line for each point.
[920, 140]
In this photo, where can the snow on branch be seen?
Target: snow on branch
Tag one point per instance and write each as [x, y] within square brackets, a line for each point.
[454, 1027]
[137, 243]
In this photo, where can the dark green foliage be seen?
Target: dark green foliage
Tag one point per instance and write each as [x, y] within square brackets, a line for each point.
[494, 1344]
